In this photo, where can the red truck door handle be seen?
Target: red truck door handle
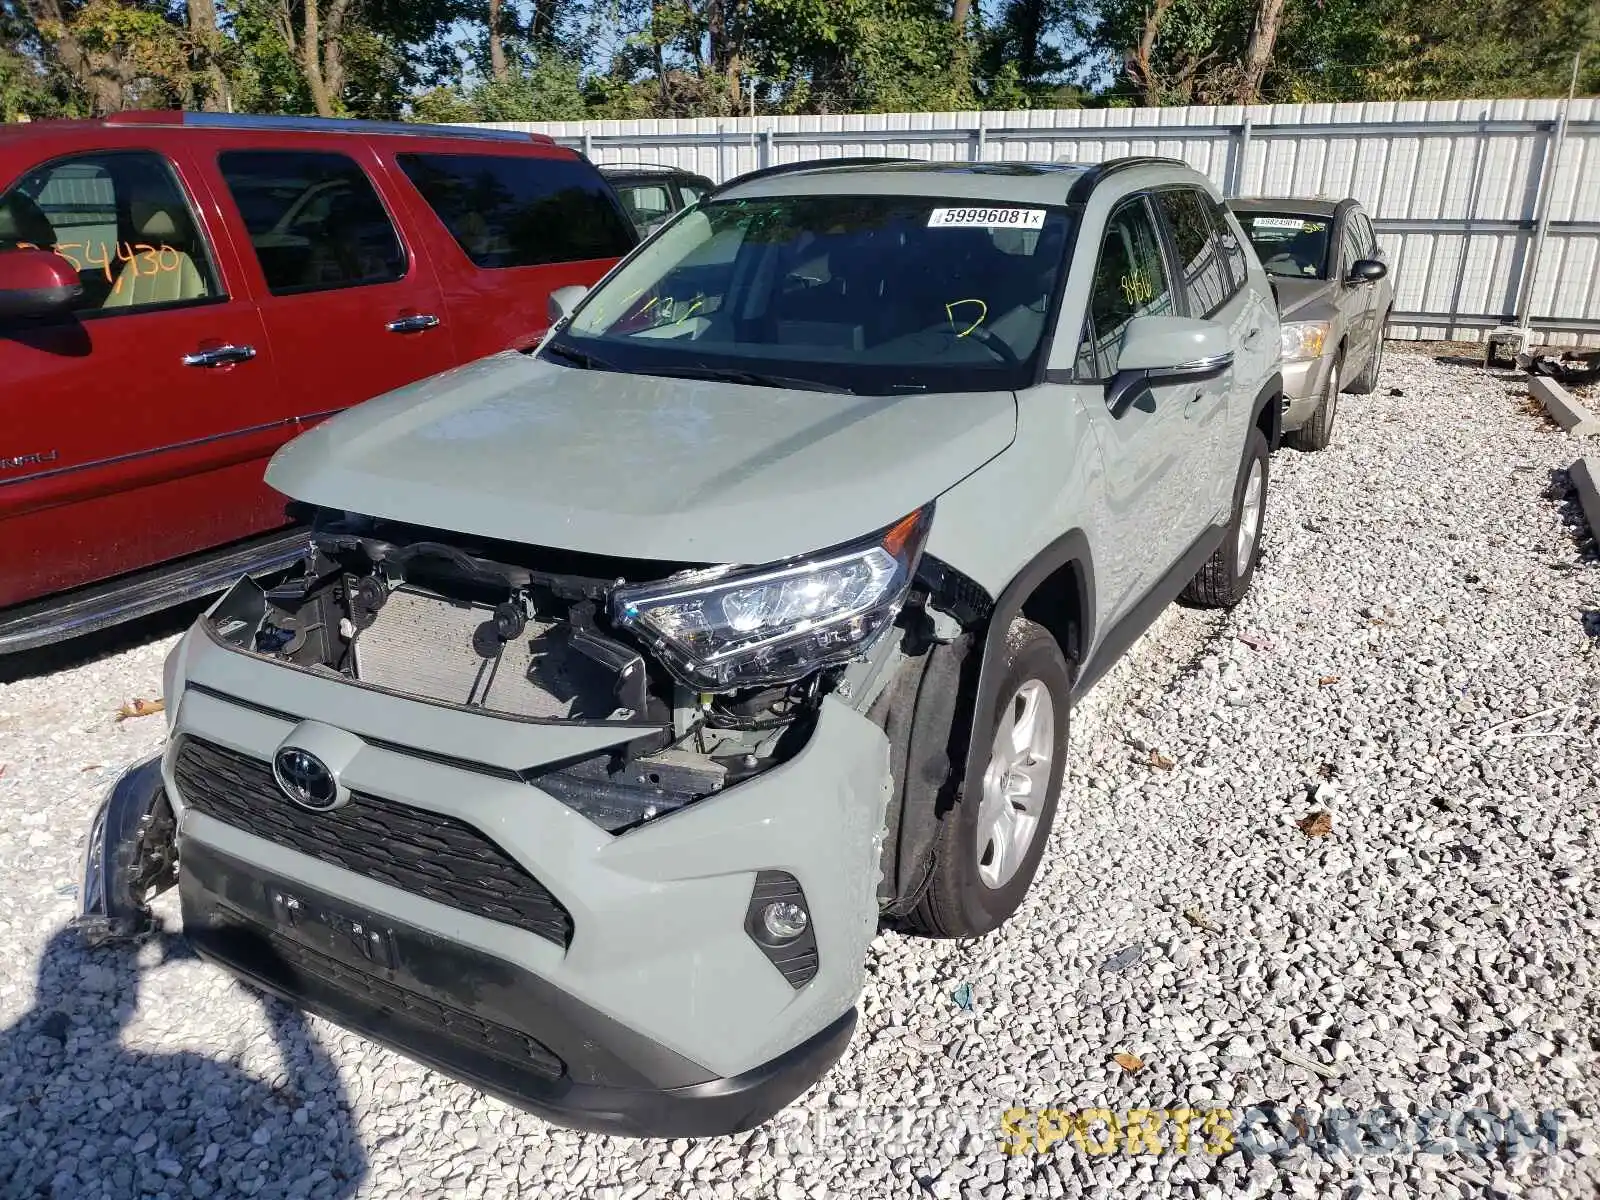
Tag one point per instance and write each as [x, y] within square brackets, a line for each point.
[219, 356]
[415, 323]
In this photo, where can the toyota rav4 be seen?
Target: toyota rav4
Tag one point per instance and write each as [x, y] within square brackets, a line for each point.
[629, 684]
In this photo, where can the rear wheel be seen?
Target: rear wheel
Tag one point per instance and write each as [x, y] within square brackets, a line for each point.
[988, 846]
[1316, 433]
[1225, 578]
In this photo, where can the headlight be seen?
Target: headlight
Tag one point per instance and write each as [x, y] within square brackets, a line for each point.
[723, 629]
[1303, 339]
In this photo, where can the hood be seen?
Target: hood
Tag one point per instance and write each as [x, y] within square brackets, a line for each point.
[638, 466]
[1304, 299]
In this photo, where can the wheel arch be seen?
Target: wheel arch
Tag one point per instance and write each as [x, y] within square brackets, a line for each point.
[1267, 412]
[1056, 590]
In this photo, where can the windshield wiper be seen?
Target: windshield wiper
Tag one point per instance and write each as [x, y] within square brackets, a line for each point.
[577, 357]
[754, 378]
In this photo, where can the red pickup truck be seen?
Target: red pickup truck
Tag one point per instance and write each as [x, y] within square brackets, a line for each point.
[182, 293]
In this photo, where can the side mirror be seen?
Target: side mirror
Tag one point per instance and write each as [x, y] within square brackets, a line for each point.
[1366, 270]
[36, 283]
[563, 300]
[1155, 349]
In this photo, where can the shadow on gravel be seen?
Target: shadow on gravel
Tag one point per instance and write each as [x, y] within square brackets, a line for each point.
[80, 651]
[1564, 494]
[83, 1115]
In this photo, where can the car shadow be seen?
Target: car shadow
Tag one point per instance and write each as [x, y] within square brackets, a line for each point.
[82, 1114]
[103, 643]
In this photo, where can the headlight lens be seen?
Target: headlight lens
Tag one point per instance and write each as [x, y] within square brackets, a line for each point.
[1303, 339]
[721, 629]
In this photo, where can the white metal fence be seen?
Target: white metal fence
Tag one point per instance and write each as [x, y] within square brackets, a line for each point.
[1492, 207]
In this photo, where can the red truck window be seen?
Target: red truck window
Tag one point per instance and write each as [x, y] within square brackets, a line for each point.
[124, 224]
[509, 211]
[314, 219]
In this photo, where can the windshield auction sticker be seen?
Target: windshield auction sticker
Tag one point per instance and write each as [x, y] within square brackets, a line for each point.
[1294, 223]
[986, 218]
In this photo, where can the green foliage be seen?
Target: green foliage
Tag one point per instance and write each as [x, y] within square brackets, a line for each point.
[29, 88]
[267, 78]
[548, 89]
[570, 59]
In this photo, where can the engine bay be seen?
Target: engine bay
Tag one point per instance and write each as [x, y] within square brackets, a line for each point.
[517, 632]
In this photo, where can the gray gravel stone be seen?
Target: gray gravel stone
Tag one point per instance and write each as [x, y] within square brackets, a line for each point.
[1418, 666]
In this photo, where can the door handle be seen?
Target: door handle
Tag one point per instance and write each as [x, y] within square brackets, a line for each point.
[412, 324]
[219, 356]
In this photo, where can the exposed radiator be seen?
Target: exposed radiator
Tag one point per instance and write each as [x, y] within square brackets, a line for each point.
[448, 650]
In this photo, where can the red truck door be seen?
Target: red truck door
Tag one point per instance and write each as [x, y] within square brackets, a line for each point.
[523, 221]
[351, 304]
[133, 431]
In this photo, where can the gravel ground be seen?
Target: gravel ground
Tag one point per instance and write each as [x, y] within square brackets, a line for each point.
[1417, 660]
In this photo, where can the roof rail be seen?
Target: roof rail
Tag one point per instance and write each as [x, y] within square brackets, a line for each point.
[807, 165]
[644, 166]
[207, 120]
[1085, 184]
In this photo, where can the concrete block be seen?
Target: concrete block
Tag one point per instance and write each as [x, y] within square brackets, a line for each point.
[1585, 477]
[1563, 407]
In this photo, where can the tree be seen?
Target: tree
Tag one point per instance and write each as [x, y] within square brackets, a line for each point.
[1258, 53]
[497, 48]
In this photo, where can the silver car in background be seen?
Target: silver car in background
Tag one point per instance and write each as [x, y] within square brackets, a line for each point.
[1334, 290]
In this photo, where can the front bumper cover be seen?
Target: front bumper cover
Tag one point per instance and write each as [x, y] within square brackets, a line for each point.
[473, 1016]
[662, 1014]
[1302, 389]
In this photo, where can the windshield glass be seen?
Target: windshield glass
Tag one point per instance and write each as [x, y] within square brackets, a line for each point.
[849, 293]
[1289, 245]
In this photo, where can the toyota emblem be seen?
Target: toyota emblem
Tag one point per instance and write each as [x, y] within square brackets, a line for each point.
[305, 779]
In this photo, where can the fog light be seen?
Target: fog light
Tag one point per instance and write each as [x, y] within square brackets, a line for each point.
[784, 921]
[778, 920]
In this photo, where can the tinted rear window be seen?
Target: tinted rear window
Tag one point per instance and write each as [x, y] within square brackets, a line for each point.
[315, 221]
[506, 211]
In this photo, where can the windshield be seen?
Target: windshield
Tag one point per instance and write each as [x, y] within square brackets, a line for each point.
[872, 294]
[1289, 245]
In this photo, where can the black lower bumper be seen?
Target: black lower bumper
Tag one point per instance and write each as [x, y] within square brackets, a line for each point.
[470, 1015]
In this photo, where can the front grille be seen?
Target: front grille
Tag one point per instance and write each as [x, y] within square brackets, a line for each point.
[486, 1037]
[425, 853]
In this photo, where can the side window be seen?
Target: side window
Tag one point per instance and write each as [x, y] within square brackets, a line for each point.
[121, 219]
[1353, 247]
[1369, 239]
[645, 203]
[314, 219]
[691, 193]
[1130, 280]
[1205, 278]
[521, 211]
[1229, 246]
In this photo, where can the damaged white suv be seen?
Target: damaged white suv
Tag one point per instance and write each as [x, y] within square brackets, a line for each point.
[628, 685]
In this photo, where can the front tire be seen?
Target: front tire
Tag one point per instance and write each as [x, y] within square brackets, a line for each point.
[1226, 577]
[1317, 432]
[1367, 381]
[988, 845]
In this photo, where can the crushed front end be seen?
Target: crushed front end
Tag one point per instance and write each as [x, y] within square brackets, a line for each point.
[601, 837]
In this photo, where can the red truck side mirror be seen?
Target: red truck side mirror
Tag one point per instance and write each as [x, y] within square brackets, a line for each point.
[36, 283]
